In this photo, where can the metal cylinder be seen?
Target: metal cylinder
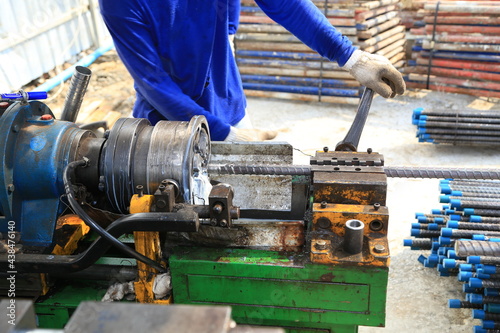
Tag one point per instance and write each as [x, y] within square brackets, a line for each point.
[77, 89]
[137, 153]
[353, 238]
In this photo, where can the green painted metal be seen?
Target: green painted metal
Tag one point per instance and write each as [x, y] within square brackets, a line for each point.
[278, 289]
[54, 311]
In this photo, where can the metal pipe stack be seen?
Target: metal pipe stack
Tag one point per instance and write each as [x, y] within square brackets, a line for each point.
[273, 63]
[457, 47]
[463, 238]
[464, 127]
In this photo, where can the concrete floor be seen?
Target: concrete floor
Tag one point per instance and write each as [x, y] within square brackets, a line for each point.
[417, 299]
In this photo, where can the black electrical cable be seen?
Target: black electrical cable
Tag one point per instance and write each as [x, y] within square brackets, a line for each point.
[68, 187]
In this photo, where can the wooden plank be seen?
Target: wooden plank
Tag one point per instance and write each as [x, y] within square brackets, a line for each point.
[482, 48]
[391, 47]
[376, 20]
[467, 39]
[379, 28]
[382, 36]
[456, 81]
[392, 54]
[460, 90]
[374, 4]
[457, 29]
[360, 17]
[280, 63]
[461, 20]
[459, 73]
[469, 7]
[336, 22]
[295, 72]
[278, 29]
[459, 64]
[398, 57]
[380, 45]
[302, 97]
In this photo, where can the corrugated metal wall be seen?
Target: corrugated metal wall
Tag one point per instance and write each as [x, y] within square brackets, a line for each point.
[38, 35]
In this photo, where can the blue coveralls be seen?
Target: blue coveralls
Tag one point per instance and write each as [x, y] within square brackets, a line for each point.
[178, 54]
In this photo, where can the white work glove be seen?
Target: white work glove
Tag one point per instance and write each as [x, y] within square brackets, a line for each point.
[376, 72]
[249, 134]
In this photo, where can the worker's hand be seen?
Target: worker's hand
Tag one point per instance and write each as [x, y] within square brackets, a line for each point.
[376, 72]
[250, 134]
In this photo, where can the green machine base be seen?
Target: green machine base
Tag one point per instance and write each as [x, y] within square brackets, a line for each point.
[282, 290]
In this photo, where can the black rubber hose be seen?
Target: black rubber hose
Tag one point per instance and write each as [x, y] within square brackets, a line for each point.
[181, 221]
[68, 187]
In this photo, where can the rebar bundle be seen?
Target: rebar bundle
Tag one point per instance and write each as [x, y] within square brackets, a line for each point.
[465, 241]
[471, 128]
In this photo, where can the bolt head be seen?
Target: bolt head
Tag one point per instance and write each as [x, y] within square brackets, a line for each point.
[320, 244]
[223, 223]
[213, 222]
[11, 188]
[379, 248]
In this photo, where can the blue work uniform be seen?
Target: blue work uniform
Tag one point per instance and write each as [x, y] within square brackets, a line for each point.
[179, 56]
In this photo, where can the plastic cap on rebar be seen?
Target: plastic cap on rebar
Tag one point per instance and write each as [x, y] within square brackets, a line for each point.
[488, 269]
[466, 267]
[421, 259]
[449, 263]
[449, 211]
[478, 237]
[415, 232]
[464, 276]
[468, 211]
[407, 242]
[415, 225]
[475, 298]
[467, 289]
[452, 224]
[488, 324]
[491, 292]
[444, 240]
[444, 199]
[483, 276]
[433, 226]
[455, 303]
[478, 314]
[439, 220]
[422, 219]
[475, 218]
[479, 329]
[455, 203]
[474, 260]
[475, 283]
[436, 211]
[492, 307]
[447, 232]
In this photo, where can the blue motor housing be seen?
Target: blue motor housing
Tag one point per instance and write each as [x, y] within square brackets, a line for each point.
[34, 149]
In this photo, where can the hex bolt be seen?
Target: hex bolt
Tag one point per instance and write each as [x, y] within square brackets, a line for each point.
[353, 238]
[223, 223]
[140, 190]
[326, 149]
[320, 244]
[369, 150]
[15, 128]
[213, 222]
[323, 204]
[379, 248]
[376, 206]
[11, 188]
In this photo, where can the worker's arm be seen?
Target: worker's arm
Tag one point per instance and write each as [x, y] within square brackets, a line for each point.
[303, 19]
[137, 50]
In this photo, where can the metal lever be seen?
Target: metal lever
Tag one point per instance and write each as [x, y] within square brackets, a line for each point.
[351, 140]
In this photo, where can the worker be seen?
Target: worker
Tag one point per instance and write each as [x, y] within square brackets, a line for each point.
[178, 53]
